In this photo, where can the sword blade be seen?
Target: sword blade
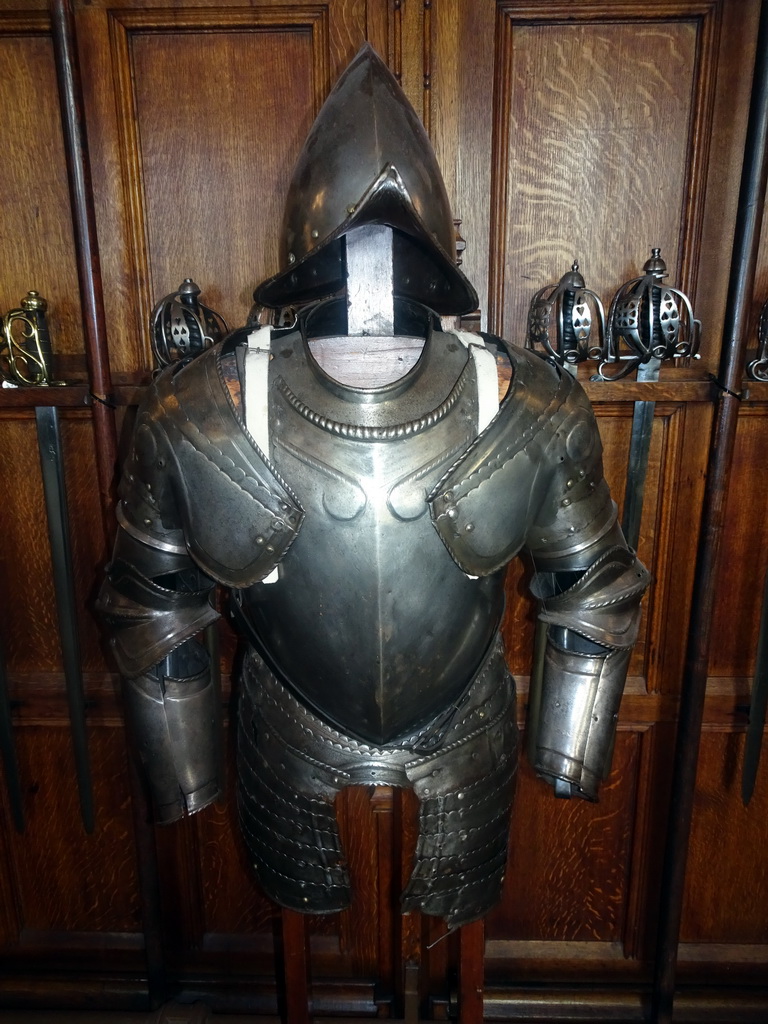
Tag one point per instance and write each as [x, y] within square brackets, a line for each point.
[8, 750]
[757, 708]
[639, 450]
[49, 444]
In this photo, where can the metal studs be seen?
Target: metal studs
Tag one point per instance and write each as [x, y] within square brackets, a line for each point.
[291, 257]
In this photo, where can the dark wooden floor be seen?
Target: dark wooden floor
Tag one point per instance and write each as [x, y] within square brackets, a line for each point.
[172, 1013]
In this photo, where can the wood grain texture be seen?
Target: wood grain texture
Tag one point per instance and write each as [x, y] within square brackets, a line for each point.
[36, 243]
[181, 218]
[587, 153]
[568, 863]
[27, 600]
[727, 881]
[69, 882]
[744, 555]
[188, 114]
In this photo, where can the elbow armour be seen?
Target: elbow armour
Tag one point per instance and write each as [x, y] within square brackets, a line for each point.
[591, 628]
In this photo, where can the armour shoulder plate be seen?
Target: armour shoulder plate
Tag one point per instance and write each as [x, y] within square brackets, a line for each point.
[197, 480]
[533, 478]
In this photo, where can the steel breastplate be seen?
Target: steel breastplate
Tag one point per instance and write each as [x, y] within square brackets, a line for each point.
[371, 622]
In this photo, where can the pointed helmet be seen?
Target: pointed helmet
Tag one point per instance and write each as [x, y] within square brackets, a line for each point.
[368, 160]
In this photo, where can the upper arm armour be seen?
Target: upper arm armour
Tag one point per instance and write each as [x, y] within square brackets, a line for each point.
[197, 481]
[533, 477]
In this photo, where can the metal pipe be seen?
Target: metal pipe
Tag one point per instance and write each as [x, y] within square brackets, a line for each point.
[733, 358]
[105, 433]
[87, 253]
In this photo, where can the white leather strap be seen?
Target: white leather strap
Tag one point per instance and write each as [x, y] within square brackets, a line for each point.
[487, 377]
[256, 396]
[256, 385]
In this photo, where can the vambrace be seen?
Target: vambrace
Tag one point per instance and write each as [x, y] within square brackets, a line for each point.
[153, 601]
[174, 713]
[592, 625]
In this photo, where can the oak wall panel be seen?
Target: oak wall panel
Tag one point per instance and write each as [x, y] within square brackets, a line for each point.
[198, 114]
[591, 162]
[36, 243]
[67, 881]
[727, 883]
[567, 873]
[744, 559]
[27, 600]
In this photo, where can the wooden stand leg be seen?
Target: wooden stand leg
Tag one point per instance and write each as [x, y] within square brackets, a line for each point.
[295, 967]
[471, 960]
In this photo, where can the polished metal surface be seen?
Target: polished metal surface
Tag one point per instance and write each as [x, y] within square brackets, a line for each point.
[26, 355]
[368, 585]
[567, 321]
[591, 627]
[151, 600]
[461, 765]
[580, 701]
[365, 533]
[181, 326]
[648, 320]
[26, 359]
[368, 160]
[175, 715]
[54, 491]
[197, 481]
[603, 604]
[533, 479]
[370, 284]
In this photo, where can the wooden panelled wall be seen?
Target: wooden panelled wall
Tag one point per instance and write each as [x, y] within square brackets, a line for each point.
[592, 129]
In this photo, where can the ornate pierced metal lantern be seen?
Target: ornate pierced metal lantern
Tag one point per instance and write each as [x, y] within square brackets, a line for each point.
[566, 320]
[182, 327]
[648, 322]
